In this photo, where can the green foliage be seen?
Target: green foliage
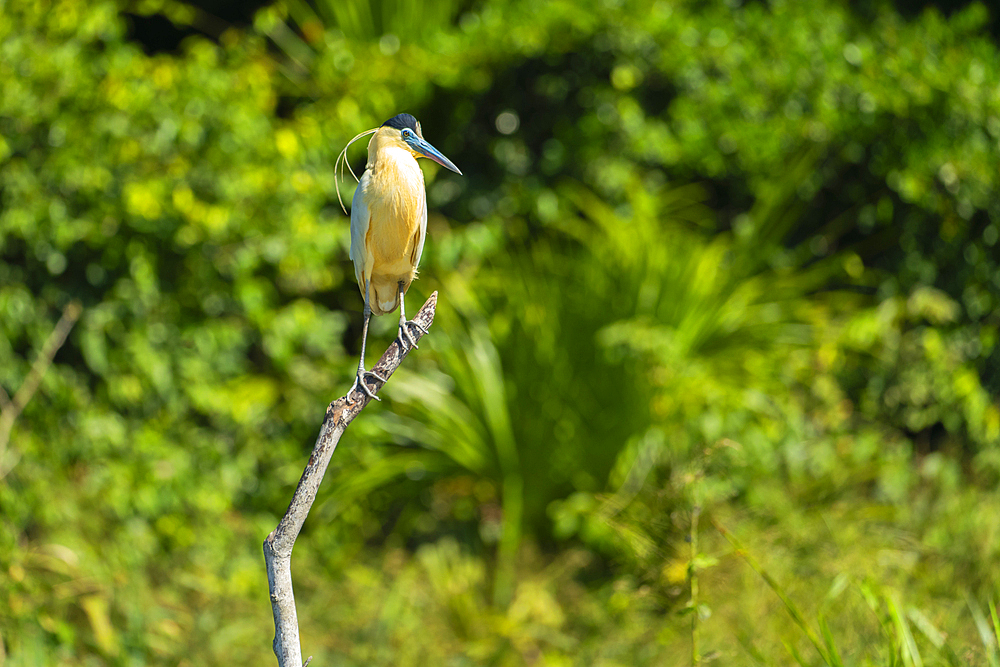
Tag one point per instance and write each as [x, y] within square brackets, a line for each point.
[735, 262]
[163, 194]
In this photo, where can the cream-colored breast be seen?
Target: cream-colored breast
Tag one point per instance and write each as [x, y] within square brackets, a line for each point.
[397, 203]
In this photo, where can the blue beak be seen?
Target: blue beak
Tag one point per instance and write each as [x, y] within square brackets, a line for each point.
[428, 151]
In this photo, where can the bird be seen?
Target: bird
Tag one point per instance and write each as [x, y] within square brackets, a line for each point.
[388, 224]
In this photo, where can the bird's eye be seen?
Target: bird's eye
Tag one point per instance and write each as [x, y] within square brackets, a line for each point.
[407, 133]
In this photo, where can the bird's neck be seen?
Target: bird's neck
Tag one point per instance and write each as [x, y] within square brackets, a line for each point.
[385, 153]
[390, 162]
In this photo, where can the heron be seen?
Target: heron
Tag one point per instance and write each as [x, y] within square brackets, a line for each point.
[388, 225]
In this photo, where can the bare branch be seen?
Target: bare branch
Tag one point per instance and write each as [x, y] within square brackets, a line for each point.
[278, 545]
[12, 407]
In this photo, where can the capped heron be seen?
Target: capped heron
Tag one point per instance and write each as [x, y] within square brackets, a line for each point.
[389, 224]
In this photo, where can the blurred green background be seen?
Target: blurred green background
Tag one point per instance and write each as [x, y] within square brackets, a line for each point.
[715, 268]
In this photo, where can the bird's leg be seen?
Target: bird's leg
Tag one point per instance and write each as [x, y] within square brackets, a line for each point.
[359, 381]
[405, 336]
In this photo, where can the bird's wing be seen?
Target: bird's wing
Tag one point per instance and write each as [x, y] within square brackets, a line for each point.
[421, 236]
[359, 227]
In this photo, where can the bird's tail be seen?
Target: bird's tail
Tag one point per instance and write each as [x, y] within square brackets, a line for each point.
[384, 296]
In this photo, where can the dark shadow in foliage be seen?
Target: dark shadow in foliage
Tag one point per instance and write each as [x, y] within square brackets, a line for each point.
[158, 34]
[913, 8]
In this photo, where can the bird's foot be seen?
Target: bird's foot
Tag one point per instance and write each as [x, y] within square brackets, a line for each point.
[405, 336]
[359, 383]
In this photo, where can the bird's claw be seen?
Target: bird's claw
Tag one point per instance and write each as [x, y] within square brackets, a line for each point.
[359, 383]
[405, 336]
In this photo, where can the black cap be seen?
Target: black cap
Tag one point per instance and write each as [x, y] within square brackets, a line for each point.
[399, 121]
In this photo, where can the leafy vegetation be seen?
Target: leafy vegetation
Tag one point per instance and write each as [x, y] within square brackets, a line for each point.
[714, 375]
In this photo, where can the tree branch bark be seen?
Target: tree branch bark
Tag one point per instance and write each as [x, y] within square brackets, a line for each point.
[278, 545]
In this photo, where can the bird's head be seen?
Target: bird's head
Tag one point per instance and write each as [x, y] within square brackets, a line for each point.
[403, 131]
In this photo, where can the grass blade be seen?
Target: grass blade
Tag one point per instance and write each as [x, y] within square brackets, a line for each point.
[996, 622]
[831, 646]
[793, 610]
[908, 646]
[933, 635]
[985, 631]
[795, 654]
[874, 600]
